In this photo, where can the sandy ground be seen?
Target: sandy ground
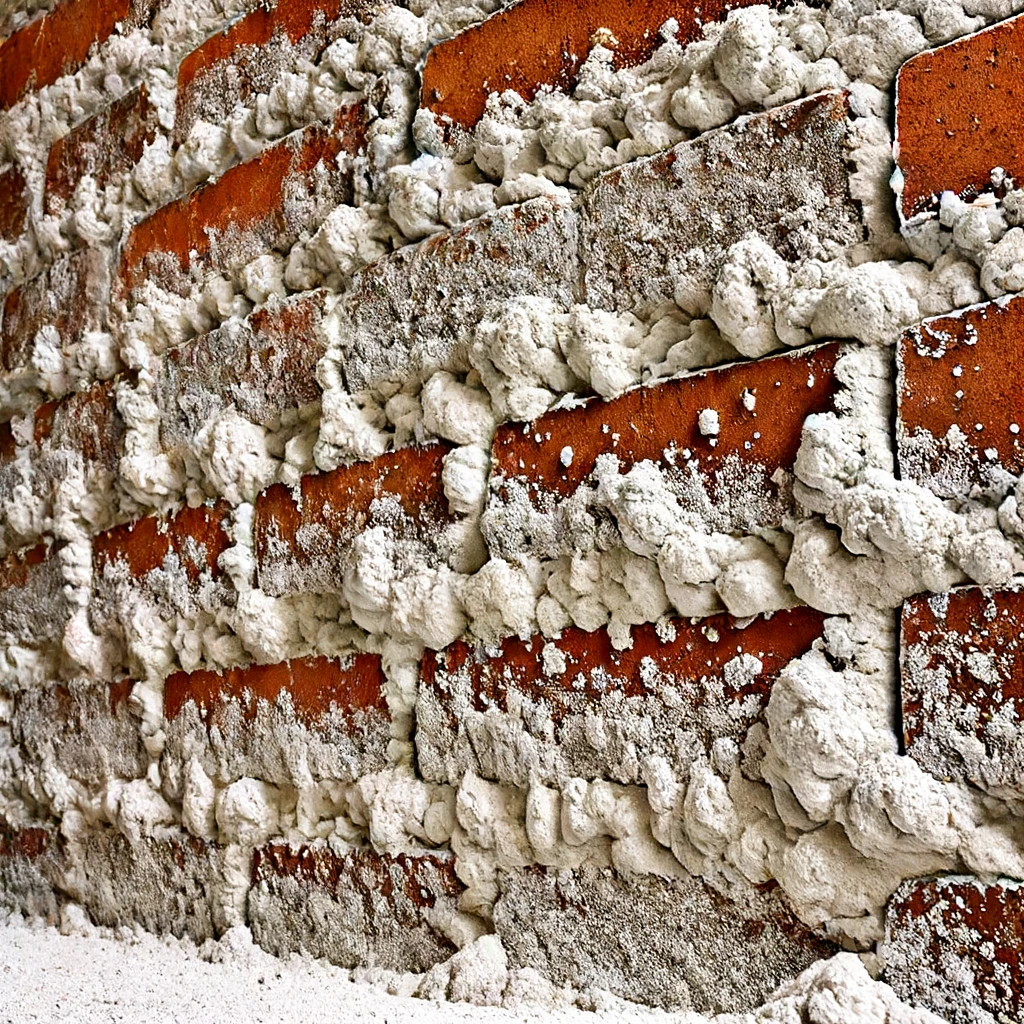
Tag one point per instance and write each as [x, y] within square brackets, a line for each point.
[89, 979]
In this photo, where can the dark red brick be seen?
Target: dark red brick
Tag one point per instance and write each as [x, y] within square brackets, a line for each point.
[28, 868]
[956, 946]
[301, 540]
[958, 116]
[105, 147]
[60, 42]
[15, 201]
[962, 371]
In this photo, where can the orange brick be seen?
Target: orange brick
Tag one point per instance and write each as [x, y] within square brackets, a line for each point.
[729, 477]
[301, 540]
[60, 42]
[250, 55]
[252, 207]
[195, 536]
[15, 200]
[552, 39]
[960, 409]
[70, 296]
[956, 945]
[962, 686]
[105, 147]
[263, 366]
[958, 114]
[703, 200]
[33, 608]
[358, 909]
[466, 695]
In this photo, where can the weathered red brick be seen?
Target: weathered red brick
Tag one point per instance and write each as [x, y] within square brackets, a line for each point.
[791, 188]
[70, 296]
[960, 410]
[471, 702]
[263, 366]
[553, 38]
[60, 42]
[962, 686]
[358, 909]
[105, 147]
[956, 945]
[302, 540]
[250, 55]
[86, 423]
[84, 728]
[677, 944]
[33, 607]
[958, 116]
[264, 203]
[15, 200]
[194, 536]
[399, 326]
[28, 868]
[729, 478]
[250, 721]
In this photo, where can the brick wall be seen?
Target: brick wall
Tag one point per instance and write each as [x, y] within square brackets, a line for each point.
[453, 489]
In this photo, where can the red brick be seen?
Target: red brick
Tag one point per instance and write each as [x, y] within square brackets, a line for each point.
[105, 147]
[252, 207]
[552, 39]
[301, 540]
[70, 296]
[358, 909]
[15, 200]
[399, 326]
[962, 686]
[250, 55]
[677, 943]
[470, 702]
[958, 115]
[263, 366]
[195, 536]
[731, 478]
[962, 371]
[60, 42]
[85, 729]
[703, 200]
[956, 946]
[28, 868]
[33, 608]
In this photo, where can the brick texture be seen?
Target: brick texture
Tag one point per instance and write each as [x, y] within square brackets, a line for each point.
[262, 204]
[15, 201]
[962, 682]
[302, 539]
[33, 608]
[355, 909]
[791, 188]
[104, 147]
[675, 944]
[28, 868]
[730, 479]
[60, 42]
[960, 410]
[958, 116]
[505, 717]
[954, 945]
[398, 325]
[254, 721]
[553, 38]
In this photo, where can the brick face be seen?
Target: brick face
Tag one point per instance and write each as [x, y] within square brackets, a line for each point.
[358, 909]
[505, 716]
[251, 721]
[962, 684]
[106, 146]
[791, 188]
[950, 130]
[553, 38]
[729, 479]
[15, 201]
[954, 945]
[960, 411]
[28, 868]
[60, 42]
[33, 609]
[302, 540]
